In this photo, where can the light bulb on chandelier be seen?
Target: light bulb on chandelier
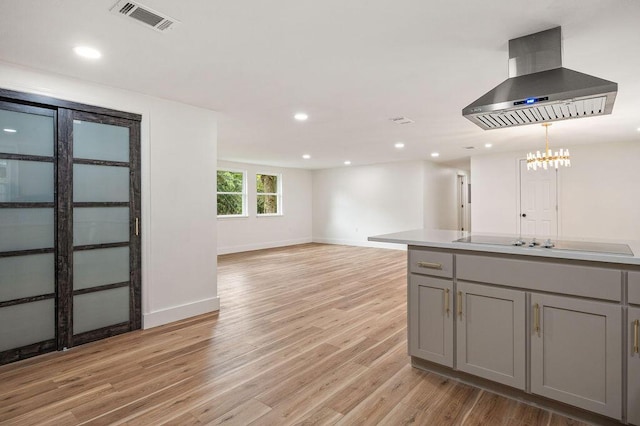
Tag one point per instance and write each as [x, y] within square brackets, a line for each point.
[548, 159]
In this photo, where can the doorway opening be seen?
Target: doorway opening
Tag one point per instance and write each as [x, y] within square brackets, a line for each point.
[463, 203]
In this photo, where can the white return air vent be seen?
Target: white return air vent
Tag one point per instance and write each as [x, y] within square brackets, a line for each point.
[144, 15]
[401, 120]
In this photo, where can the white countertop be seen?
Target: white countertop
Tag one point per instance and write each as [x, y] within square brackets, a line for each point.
[438, 238]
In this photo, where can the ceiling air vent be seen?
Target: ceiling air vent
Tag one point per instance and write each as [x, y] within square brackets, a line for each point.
[144, 15]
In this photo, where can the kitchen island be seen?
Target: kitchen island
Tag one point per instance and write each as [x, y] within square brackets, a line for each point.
[554, 323]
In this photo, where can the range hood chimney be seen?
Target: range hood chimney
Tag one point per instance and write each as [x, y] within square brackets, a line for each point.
[539, 89]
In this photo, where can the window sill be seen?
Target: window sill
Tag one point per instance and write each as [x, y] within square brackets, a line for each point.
[270, 215]
[233, 216]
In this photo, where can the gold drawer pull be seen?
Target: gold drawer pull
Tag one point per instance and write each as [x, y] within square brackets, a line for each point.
[536, 318]
[446, 301]
[460, 304]
[636, 337]
[430, 265]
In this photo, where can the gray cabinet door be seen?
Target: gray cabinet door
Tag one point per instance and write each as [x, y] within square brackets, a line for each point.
[491, 333]
[633, 373]
[431, 319]
[576, 353]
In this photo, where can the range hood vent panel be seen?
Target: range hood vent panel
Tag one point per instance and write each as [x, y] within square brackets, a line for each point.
[543, 96]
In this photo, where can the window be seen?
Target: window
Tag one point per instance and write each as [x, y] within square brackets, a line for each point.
[232, 194]
[268, 188]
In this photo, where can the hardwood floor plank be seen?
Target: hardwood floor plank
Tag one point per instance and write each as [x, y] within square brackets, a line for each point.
[310, 335]
[418, 401]
[374, 408]
[492, 409]
[243, 414]
[321, 416]
[290, 409]
[361, 387]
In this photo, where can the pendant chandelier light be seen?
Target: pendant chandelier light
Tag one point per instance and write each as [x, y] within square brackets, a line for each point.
[548, 159]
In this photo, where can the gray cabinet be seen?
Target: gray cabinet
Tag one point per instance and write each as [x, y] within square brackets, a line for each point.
[633, 367]
[491, 333]
[431, 319]
[551, 328]
[634, 287]
[576, 352]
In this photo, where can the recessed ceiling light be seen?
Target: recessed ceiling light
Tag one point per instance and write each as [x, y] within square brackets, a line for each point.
[87, 52]
[488, 145]
[301, 116]
[306, 156]
[10, 130]
[347, 163]
[435, 154]
[399, 145]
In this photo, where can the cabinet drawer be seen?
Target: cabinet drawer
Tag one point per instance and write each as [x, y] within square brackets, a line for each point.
[434, 263]
[634, 287]
[585, 281]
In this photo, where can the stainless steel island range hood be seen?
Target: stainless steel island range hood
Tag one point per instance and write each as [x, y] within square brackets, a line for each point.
[539, 89]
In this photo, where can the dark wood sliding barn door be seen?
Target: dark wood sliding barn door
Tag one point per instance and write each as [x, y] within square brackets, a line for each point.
[69, 225]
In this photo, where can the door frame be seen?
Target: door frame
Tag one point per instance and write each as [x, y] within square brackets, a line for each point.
[518, 166]
[463, 197]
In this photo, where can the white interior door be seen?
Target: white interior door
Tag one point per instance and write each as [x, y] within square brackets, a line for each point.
[538, 201]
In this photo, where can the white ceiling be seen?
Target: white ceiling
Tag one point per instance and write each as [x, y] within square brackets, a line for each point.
[351, 65]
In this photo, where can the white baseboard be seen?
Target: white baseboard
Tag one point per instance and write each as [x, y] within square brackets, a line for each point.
[360, 243]
[260, 246]
[177, 313]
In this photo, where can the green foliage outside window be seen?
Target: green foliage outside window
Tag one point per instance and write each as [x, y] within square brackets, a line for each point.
[267, 189]
[230, 193]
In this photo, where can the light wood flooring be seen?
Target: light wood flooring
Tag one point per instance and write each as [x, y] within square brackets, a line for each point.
[309, 334]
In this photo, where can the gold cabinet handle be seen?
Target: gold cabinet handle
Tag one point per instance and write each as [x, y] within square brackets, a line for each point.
[137, 226]
[636, 336]
[536, 318]
[446, 301]
[430, 265]
[460, 304]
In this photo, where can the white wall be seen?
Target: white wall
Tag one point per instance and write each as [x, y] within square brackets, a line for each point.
[353, 203]
[440, 197]
[598, 195]
[494, 192]
[178, 149]
[254, 232]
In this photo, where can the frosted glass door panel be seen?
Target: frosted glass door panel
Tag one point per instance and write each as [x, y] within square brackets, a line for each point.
[100, 309]
[92, 268]
[100, 225]
[100, 183]
[26, 276]
[25, 229]
[26, 181]
[33, 133]
[28, 323]
[98, 141]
